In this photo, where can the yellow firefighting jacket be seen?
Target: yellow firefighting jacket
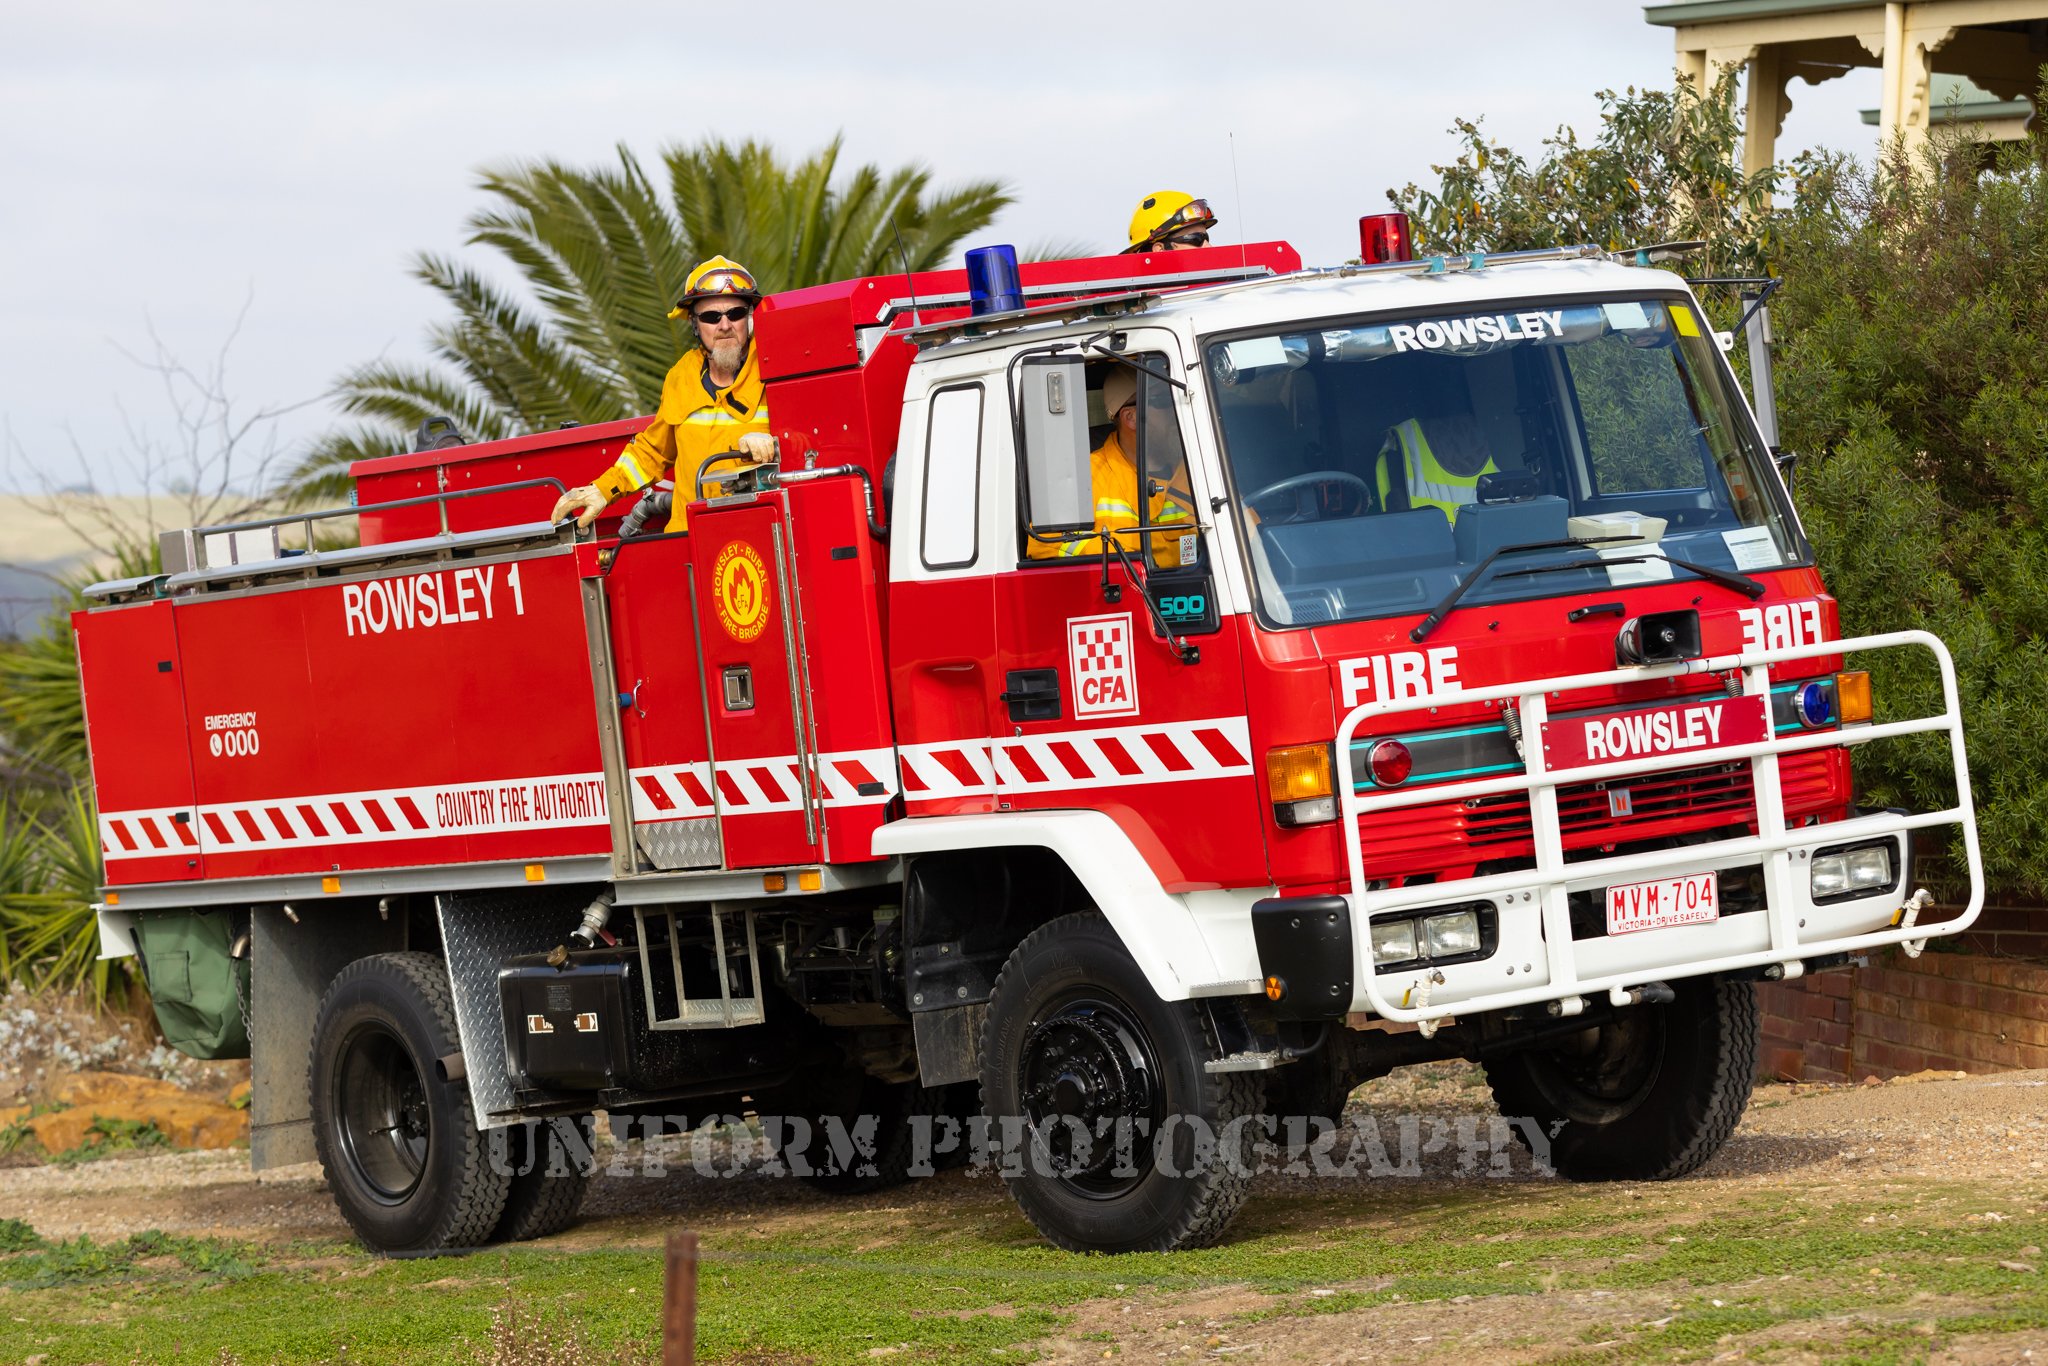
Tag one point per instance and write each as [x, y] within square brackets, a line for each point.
[1428, 484]
[690, 425]
[1115, 479]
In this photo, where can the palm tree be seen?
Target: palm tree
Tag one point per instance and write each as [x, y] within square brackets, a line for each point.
[602, 253]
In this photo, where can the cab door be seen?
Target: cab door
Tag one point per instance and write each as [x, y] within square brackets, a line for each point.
[1099, 707]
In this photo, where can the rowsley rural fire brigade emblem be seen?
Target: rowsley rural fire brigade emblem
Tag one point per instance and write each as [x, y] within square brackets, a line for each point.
[740, 583]
[1099, 651]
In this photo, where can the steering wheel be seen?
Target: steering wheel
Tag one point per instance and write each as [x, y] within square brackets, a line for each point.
[1307, 510]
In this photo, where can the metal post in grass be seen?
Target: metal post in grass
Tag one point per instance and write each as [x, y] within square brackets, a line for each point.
[679, 1302]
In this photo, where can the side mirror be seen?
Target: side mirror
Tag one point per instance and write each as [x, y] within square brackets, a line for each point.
[1787, 462]
[1052, 409]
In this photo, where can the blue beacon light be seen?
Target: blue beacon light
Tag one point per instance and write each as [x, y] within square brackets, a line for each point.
[992, 282]
[1816, 708]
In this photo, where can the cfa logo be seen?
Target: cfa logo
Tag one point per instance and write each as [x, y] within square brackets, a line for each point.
[1099, 651]
[739, 586]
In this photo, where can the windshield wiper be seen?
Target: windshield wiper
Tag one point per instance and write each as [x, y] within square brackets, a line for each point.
[1741, 583]
[1443, 609]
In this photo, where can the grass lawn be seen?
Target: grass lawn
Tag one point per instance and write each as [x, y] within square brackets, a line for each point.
[948, 1271]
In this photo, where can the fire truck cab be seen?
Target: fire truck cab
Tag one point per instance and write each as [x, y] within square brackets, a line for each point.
[1453, 679]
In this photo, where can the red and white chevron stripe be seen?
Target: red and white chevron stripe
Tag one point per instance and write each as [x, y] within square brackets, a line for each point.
[508, 804]
[1063, 761]
[1176, 752]
[748, 787]
[144, 834]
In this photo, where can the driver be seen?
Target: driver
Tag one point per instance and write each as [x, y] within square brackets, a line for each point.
[1432, 462]
[1113, 470]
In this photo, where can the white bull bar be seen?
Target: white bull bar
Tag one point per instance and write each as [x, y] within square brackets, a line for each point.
[1549, 878]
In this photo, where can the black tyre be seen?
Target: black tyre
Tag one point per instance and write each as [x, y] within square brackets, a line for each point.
[404, 1158]
[1076, 1045]
[1646, 1096]
[846, 1133]
[551, 1163]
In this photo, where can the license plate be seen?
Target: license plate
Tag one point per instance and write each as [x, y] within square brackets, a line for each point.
[1691, 900]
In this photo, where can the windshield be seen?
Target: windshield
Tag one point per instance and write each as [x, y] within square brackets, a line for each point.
[1378, 463]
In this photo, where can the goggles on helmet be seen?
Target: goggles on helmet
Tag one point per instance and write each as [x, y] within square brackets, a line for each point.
[1191, 215]
[726, 282]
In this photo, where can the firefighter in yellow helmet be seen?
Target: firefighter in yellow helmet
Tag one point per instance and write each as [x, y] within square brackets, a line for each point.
[1167, 220]
[711, 403]
[1113, 471]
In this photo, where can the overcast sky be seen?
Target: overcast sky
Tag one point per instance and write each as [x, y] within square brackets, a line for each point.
[168, 164]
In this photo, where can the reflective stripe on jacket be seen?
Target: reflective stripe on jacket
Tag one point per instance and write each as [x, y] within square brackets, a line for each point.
[689, 426]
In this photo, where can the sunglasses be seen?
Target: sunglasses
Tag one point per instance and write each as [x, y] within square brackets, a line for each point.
[1190, 239]
[712, 316]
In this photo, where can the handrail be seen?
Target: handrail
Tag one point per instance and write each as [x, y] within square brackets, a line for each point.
[306, 519]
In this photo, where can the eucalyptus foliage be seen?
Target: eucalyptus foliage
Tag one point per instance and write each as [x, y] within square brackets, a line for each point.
[1915, 379]
[1665, 166]
[601, 254]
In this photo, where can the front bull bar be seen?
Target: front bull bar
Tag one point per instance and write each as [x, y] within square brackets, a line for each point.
[1773, 840]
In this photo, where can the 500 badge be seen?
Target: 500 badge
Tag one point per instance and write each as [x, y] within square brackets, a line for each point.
[739, 588]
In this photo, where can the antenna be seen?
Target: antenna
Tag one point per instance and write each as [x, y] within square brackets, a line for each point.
[915, 320]
[1244, 235]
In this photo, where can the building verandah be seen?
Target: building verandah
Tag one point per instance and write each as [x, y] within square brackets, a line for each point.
[1997, 47]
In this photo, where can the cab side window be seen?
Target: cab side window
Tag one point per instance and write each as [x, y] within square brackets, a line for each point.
[1138, 466]
[952, 478]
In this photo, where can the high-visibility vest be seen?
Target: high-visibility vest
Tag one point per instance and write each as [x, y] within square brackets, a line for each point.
[1427, 483]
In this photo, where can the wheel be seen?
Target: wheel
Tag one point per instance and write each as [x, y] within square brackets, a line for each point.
[1078, 1047]
[551, 1162]
[845, 1133]
[1649, 1095]
[404, 1158]
[1333, 481]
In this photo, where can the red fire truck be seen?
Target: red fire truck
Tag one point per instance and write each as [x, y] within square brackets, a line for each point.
[1467, 689]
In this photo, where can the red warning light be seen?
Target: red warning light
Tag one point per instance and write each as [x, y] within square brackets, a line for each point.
[1385, 237]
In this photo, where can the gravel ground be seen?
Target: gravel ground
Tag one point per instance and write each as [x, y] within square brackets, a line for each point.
[1944, 1127]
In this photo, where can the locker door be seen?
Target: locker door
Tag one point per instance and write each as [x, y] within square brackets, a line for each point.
[754, 688]
[661, 721]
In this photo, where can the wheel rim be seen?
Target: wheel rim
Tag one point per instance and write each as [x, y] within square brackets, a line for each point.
[1088, 1062]
[1605, 1073]
[380, 1104]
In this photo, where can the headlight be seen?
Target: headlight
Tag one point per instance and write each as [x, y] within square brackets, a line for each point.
[1453, 934]
[1845, 872]
[1870, 867]
[1393, 941]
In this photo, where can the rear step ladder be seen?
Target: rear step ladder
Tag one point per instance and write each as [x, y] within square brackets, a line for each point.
[730, 1009]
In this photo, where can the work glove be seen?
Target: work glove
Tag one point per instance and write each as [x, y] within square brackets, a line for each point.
[758, 447]
[585, 501]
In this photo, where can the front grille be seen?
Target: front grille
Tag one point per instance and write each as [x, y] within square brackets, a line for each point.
[1449, 837]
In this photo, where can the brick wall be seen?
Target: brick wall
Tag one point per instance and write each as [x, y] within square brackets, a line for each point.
[1967, 1012]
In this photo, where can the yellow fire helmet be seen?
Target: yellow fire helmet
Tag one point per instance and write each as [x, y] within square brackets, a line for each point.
[1167, 213]
[715, 277]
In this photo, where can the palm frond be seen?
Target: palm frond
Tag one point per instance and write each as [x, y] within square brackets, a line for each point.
[600, 253]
